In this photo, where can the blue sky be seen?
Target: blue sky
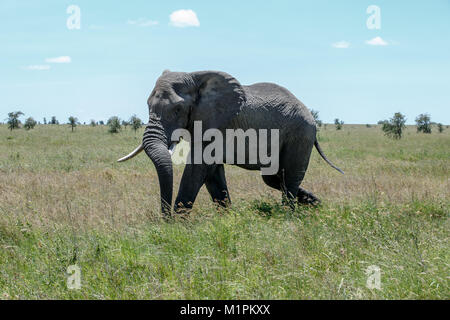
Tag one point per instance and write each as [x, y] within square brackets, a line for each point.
[110, 65]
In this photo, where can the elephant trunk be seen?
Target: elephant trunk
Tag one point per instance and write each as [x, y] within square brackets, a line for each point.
[156, 147]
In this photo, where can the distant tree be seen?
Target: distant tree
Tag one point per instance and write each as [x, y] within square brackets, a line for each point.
[125, 124]
[73, 122]
[114, 124]
[45, 121]
[13, 120]
[368, 125]
[101, 123]
[423, 123]
[394, 127]
[54, 121]
[30, 123]
[440, 127]
[135, 122]
[315, 115]
[93, 123]
[338, 123]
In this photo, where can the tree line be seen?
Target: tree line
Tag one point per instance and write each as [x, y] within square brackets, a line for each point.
[392, 127]
[114, 123]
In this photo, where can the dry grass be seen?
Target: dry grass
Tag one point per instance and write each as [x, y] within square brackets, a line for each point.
[51, 175]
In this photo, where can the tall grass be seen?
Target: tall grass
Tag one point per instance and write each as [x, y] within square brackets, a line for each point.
[64, 200]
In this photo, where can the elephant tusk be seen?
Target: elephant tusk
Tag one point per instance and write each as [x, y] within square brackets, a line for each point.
[132, 154]
[172, 147]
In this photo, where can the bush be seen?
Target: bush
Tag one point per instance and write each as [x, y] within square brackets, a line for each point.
[440, 127]
[315, 115]
[13, 120]
[423, 123]
[394, 127]
[54, 121]
[30, 123]
[338, 124]
[114, 125]
[135, 122]
[125, 124]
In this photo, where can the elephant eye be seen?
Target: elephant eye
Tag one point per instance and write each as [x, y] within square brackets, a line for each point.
[177, 109]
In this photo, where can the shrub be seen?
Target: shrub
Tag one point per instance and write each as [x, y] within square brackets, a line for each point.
[315, 115]
[394, 127]
[30, 123]
[338, 123]
[54, 121]
[440, 127]
[423, 123]
[135, 122]
[114, 125]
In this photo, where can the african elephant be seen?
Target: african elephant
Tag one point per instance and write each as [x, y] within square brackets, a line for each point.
[218, 101]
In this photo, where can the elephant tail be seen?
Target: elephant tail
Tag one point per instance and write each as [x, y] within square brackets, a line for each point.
[316, 144]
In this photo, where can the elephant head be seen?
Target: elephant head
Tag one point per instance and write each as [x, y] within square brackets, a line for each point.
[178, 100]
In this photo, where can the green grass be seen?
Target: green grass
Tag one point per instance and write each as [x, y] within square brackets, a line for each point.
[64, 201]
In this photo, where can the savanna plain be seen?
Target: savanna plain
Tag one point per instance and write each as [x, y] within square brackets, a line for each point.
[65, 201]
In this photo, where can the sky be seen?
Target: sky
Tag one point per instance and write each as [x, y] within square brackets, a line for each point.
[335, 56]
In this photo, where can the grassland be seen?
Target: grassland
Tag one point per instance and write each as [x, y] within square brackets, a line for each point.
[64, 200]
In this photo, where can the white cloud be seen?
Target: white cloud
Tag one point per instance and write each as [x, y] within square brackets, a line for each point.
[184, 18]
[141, 22]
[341, 45]
[39, 67]
[377, 41]
[62, 59]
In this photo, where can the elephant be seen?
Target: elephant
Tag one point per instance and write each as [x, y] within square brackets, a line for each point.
[218, 101]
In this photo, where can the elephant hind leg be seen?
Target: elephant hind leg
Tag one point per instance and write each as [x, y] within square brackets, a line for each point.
[216, 185]
[295, 160]
[278, 182]
[306, 197]
[272, 181]
[303, 196]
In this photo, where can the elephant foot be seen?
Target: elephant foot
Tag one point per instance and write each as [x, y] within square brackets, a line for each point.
[181, 211]
[306, 197]
[222, 203]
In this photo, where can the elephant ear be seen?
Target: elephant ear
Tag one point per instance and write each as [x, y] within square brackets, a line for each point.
[220, 97]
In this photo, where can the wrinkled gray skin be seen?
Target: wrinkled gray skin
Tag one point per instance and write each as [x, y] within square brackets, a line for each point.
[220, 101]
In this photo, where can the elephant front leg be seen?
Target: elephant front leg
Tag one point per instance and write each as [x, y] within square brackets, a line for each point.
[217, 185]
[194, 177]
